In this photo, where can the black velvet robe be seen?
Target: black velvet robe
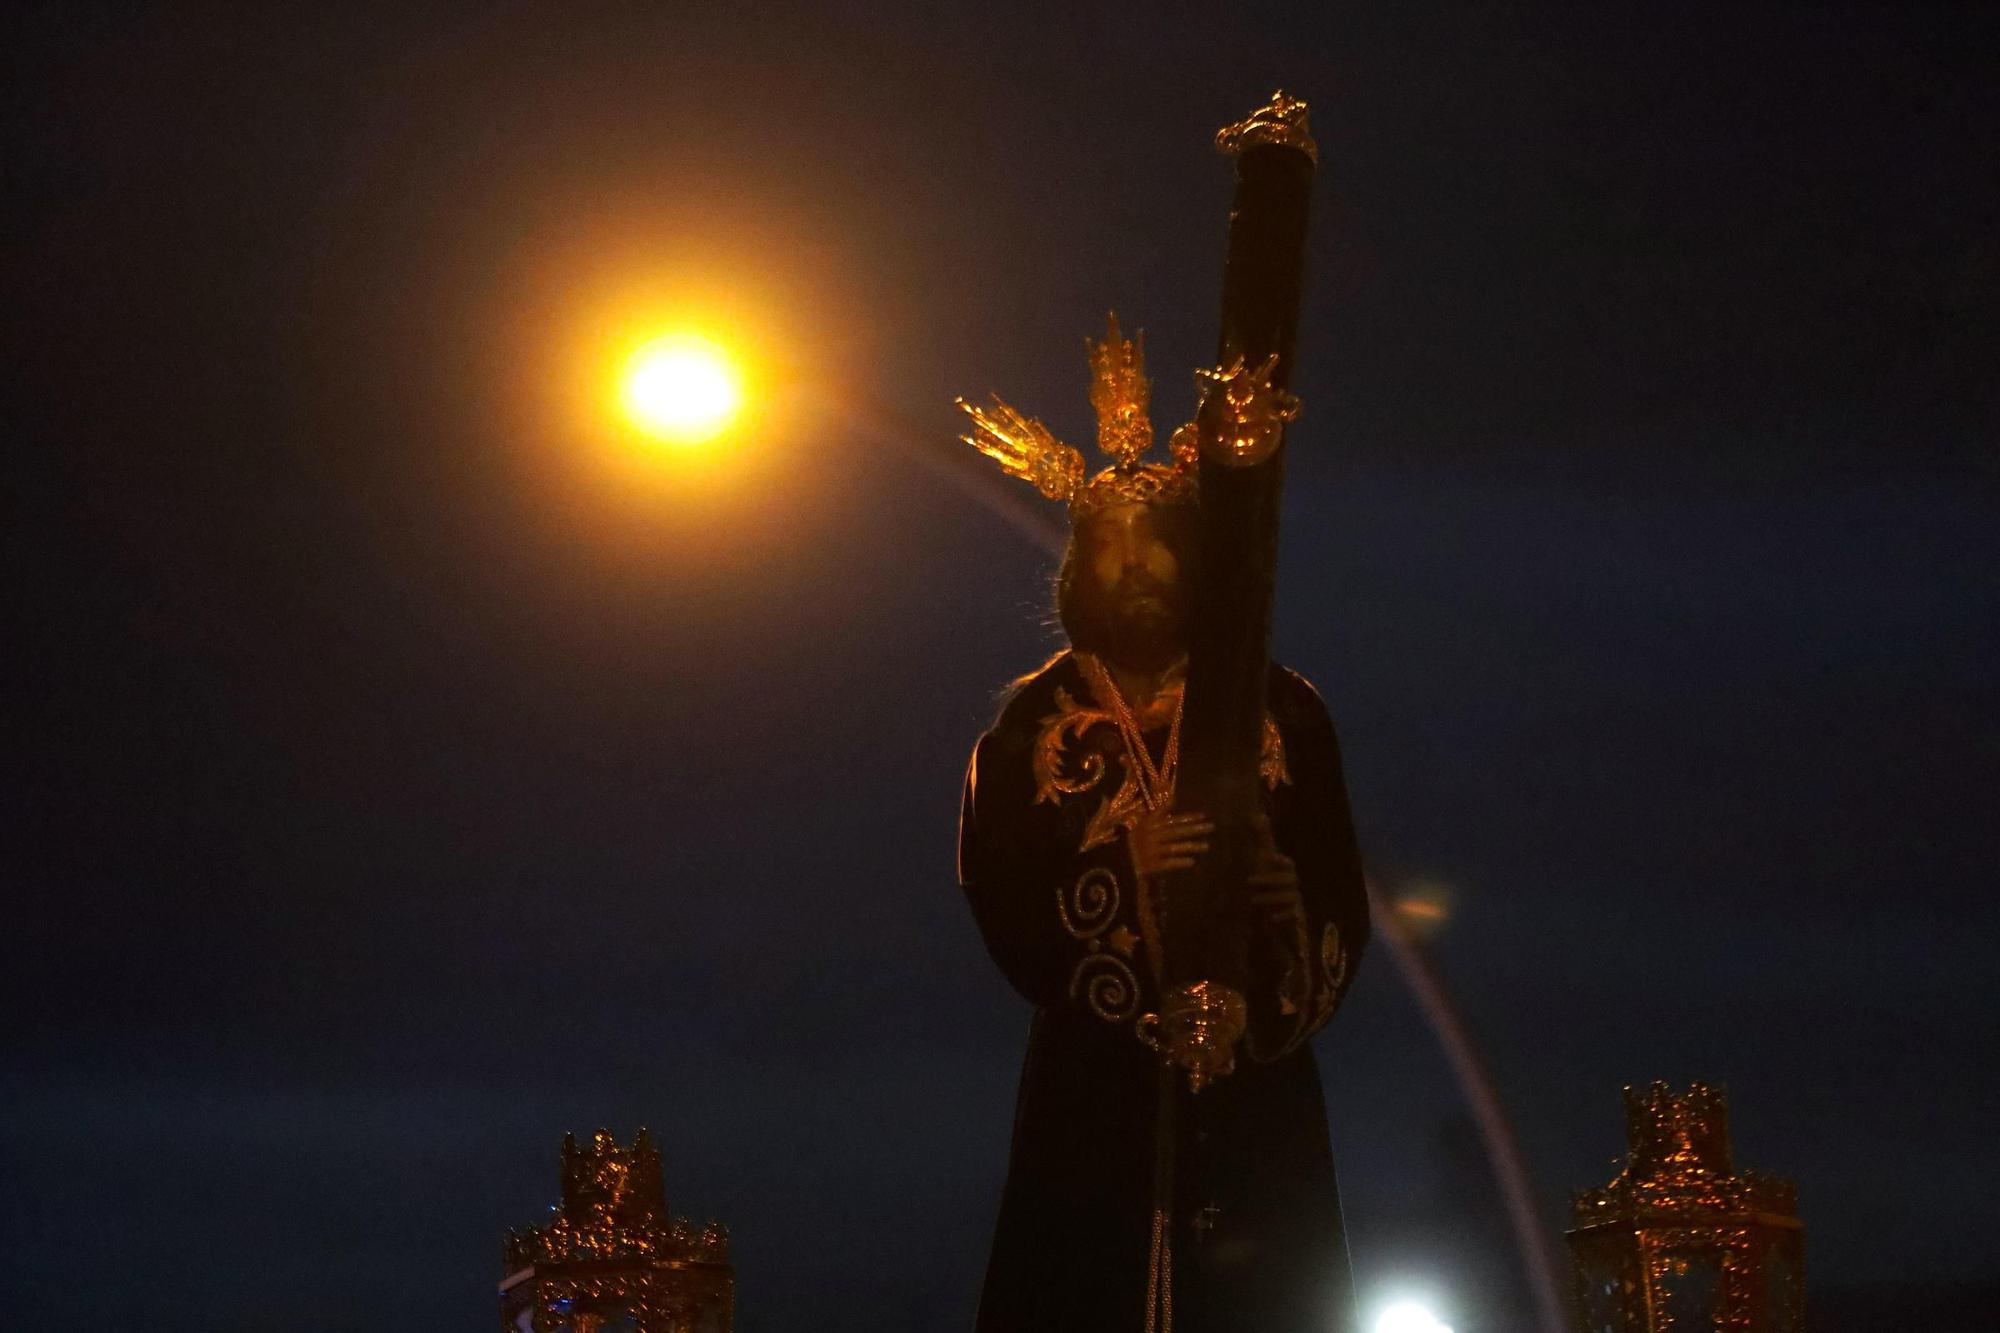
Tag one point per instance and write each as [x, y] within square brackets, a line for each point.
[1254, 1229]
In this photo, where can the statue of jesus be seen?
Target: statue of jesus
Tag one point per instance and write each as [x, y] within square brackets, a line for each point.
[1133, 1201]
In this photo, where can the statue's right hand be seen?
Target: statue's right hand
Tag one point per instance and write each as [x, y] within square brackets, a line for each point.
[1169, 840]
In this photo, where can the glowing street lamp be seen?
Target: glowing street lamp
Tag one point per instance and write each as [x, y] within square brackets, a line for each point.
[678, 379]
[682, 389]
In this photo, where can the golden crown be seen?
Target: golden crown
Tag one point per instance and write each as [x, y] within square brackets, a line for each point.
[1120, 393]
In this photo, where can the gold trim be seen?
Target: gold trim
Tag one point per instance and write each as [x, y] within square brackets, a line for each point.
[1242, 414]
[1090, 905]
[1200, 1024]
[1120, 393]
[1282, 121]
[1333, 974]
[1271, 765]
[1056, 777]
[1110, 987]
[1062, 767]
[1024, 448]
[1332, 959]
[1160, 1275]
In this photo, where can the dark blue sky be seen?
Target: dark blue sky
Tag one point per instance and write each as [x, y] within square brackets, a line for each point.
[385, 797]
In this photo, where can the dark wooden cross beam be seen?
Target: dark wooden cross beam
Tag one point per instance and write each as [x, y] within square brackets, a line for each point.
[1229, 651]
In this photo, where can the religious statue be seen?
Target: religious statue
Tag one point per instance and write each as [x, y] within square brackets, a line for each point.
[1179, 937]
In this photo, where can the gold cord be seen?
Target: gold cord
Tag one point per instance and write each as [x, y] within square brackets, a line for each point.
[1156, 790]
[1160, 1259]
[1156, 784]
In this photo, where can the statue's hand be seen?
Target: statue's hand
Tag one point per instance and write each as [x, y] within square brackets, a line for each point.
[1165, 840]
[1276, 893]
[1274, 884]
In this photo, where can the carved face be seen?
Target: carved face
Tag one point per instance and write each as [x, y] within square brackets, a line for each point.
[1124, 593]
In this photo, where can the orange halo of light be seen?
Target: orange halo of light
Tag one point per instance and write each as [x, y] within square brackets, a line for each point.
[579, 307]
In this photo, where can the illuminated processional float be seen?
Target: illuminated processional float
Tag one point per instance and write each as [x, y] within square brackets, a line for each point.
[612, 1260]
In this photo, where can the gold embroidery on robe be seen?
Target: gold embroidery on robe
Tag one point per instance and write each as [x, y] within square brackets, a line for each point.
[1064, 766]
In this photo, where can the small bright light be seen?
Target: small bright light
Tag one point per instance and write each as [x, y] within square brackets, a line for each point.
[1409, 1317]
[681, 389]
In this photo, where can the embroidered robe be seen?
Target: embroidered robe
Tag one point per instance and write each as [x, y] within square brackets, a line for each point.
[1249, 1221]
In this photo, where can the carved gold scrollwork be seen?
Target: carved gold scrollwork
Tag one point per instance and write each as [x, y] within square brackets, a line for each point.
[1283, 121]
[1242, 413]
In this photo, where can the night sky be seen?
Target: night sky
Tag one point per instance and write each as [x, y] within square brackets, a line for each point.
[398, 775]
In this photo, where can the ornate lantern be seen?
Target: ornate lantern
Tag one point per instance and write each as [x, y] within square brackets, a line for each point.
[1679, 1240]
[612, 1261]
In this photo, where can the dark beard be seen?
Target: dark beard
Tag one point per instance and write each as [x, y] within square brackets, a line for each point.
[1147, 637]
[1142, 623]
